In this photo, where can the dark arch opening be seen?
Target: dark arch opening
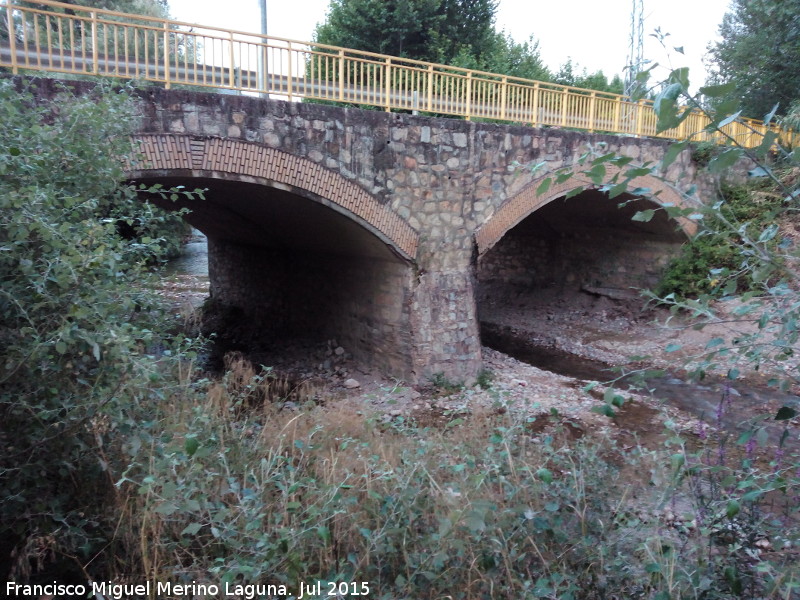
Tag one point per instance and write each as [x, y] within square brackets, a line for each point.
[290, 271]
[573, 263]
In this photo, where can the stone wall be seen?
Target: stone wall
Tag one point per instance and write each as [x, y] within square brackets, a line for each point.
[364, 303]
[445, 177]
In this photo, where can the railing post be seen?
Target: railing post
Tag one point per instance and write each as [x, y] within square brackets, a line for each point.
[12, 39]
[232, 58]
[564, 98]
[682, 130]
[639, 123]
[95, 55]
[535, 119]
[430, 88]
[617, 113]
[341, 75]
[592, 110]
[503, 96]
[166, 56]
[265, 66]
[290, 80]
[388, 86]
[468, 97]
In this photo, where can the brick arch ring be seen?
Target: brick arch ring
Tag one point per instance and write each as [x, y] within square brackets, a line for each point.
[222, 158]
[528, 200]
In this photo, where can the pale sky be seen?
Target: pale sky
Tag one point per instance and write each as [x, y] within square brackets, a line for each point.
[594, 33]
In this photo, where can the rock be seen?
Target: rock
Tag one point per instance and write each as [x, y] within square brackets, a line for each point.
[339, 351]
[415, 395]
[351, 384]
[519, 382]
[396, 412]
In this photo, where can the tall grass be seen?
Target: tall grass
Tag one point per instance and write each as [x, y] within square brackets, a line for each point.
[231, 488]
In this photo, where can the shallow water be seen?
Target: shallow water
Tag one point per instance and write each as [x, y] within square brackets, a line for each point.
[193, 259]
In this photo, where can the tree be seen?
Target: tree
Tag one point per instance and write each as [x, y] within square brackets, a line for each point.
[400, 28]
[429, 30]
[568, 75]
[507, 57]
[466, 25]
[759, 54]
[147, 8]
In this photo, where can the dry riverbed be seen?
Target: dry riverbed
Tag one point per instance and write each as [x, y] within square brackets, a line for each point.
[618, 333]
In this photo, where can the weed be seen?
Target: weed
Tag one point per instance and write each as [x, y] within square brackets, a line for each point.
[712, 261]
[485, 378]
[443, 385]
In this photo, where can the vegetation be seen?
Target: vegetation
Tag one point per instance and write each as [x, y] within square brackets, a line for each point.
[568, 75]
[712, 259]
[149, 8]
[235, 489]
[81, 336]
[759, 55]
[430, 30]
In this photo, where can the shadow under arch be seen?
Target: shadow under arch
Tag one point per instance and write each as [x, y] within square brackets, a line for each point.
[298, 255]
[515, 209]
[171, 157]
[564, 274]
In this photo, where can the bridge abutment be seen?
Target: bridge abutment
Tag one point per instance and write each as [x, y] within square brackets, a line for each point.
[364, 303]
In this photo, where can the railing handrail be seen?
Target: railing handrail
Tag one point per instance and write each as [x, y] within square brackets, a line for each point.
[423, 64]
[369, 74]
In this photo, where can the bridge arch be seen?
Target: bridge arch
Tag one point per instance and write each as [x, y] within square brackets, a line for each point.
[528, 200]
[298, 255]
[561, 271]
[174, 155]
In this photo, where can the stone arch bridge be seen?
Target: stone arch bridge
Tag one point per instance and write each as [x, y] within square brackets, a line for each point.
[390, 231]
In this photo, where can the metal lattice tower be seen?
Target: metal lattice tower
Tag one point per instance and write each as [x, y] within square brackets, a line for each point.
[635, 59]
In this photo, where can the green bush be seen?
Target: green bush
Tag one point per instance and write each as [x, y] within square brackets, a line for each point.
[713, 259]
[78, 328]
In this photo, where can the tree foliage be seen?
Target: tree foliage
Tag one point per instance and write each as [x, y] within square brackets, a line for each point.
[504, 55]
[148, 8]
[760, 54]
[400, 28]
[569, 74]
[76, 324]
[444, 31]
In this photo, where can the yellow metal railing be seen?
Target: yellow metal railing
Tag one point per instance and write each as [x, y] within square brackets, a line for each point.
[63, 38]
